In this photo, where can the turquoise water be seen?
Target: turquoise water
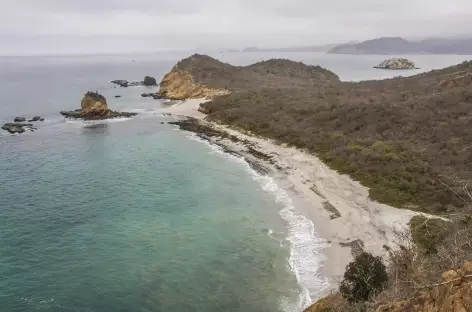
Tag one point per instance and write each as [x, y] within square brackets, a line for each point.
[134, 215]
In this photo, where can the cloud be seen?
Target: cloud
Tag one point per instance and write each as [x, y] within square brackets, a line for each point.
[179, 23]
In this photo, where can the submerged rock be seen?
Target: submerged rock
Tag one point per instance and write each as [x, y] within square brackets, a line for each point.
[20, 119]
[17, 127]
[396, 63]
[94, 107]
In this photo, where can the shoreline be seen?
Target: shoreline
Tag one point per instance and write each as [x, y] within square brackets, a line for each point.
[338, 207]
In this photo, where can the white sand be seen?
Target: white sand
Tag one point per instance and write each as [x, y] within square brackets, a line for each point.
[299, 174]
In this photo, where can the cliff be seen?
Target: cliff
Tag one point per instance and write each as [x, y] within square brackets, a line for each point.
[202, 76]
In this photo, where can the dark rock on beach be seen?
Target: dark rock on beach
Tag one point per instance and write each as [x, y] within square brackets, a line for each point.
[94, 107]
[117, 96]
[17, 127]
[20, 119]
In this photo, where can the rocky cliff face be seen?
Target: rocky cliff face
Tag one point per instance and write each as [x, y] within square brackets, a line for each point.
[454, 294]
[94, 104]
[396, 63]
[180, 85]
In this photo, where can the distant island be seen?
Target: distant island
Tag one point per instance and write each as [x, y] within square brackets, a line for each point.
[396, 63]
[398, 45]
[315, 48]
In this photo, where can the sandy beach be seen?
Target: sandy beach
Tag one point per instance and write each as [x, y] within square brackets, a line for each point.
[339, 207]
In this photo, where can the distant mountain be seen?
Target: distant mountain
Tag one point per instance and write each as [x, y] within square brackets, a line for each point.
[319, 48]
[397, 45]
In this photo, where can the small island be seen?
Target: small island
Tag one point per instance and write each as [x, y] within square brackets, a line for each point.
[94, 107]
[396, 63]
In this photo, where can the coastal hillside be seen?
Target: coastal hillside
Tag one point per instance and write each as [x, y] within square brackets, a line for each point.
[407, 139]
[203, 76]
[397, 45]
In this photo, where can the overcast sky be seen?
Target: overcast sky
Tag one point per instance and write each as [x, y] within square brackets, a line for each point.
[68, 26]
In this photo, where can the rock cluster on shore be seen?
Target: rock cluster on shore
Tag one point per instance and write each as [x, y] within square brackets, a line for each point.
[94, 107]
[396, 63]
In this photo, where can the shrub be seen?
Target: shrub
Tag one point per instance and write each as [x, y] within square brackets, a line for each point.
[365, 277]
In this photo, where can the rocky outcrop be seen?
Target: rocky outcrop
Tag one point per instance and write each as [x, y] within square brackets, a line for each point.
[36, 118]
[94, 107]
[19, 119]
[180, 85]
[17, 127]
[396, 63]
[149, 81]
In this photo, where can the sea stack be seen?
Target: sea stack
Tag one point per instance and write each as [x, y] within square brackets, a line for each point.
[396, 63]
[94, 107]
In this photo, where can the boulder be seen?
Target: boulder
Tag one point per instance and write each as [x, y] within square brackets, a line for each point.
[147, 94]
[396, 63]
[149, 81]
[117, 96]
[19, 119]
[17, 127]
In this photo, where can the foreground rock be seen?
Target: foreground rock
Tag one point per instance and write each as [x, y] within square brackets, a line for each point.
[17, 127]
[94, 107]
[396, 63]
[148, 82]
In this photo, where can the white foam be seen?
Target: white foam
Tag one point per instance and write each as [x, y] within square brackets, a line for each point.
[306, 246]
[96, 122]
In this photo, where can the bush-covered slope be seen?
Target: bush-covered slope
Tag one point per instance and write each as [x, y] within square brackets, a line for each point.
[401, 137]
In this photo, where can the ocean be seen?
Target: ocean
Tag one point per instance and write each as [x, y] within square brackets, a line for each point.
[135, 215]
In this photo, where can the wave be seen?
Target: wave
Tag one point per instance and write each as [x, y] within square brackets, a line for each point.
[306, 245]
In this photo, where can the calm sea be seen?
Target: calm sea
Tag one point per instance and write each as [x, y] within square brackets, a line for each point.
[134, 215]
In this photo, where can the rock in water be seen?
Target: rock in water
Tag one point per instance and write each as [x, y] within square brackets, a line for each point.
[121, 83]
[36, 118]
[19, 119]
[17, 127]
[94, 104]
[94, 107]
[149, 81]
[396, 63]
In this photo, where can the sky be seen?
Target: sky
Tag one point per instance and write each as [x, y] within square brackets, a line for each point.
[102, 26]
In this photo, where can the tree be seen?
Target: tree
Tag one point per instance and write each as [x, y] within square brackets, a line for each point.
[366, 276]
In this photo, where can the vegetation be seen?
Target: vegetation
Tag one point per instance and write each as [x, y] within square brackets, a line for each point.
[280, 73]
[404, 138]
[366, 276]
